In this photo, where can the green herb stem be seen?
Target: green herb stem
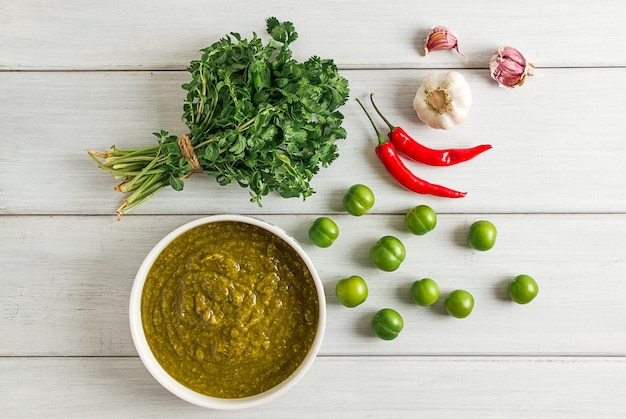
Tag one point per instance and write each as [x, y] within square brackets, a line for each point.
[256, 116]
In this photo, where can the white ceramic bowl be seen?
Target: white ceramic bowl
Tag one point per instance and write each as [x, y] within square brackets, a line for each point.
[153, 366]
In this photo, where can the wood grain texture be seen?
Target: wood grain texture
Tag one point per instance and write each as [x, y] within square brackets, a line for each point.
[350, 387]
[76, 75]
[149, 35]
[70, 279]
[555, 148]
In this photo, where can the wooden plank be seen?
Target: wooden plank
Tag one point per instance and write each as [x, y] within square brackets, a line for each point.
[556, 148]
[350, 387]
[148, 35]
[77, 75]
[66, 282]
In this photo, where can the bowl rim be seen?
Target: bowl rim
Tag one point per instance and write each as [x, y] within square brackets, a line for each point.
[178, 389]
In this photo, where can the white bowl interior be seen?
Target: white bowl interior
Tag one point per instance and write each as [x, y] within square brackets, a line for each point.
[153, 366]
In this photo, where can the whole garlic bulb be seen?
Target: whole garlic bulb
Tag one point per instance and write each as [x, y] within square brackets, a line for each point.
[443, 100]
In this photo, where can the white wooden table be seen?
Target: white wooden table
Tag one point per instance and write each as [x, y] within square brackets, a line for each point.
[89, 74]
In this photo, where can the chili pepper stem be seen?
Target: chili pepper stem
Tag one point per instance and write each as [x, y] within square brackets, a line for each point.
[391, 127]
[388, 156]
[415, 151]
[381, 139]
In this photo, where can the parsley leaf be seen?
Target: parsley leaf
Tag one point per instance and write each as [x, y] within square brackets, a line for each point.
[256, 116]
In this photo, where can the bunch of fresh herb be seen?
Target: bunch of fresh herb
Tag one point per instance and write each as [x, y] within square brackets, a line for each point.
[255, 115]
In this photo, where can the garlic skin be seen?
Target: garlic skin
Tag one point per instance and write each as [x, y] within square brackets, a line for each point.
[509, 67]
[441, 38]
[443, 100]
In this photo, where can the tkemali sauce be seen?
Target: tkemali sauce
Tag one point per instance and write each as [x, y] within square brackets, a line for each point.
[229, 309]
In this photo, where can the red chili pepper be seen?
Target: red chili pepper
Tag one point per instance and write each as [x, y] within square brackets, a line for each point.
[420, 153]
[387, 154]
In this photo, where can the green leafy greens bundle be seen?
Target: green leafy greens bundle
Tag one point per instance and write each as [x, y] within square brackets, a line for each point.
[255, 115]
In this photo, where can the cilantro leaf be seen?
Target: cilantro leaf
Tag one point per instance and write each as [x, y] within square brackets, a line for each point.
[256, 116]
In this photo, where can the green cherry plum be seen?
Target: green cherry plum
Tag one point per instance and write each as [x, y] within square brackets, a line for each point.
[323, 232]
[358, 200]
[523, 289]
[388, 253]
[351, 291]
[420, 220]
[387, 324]
[459, 304]
[425, 292]
[482, 235]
